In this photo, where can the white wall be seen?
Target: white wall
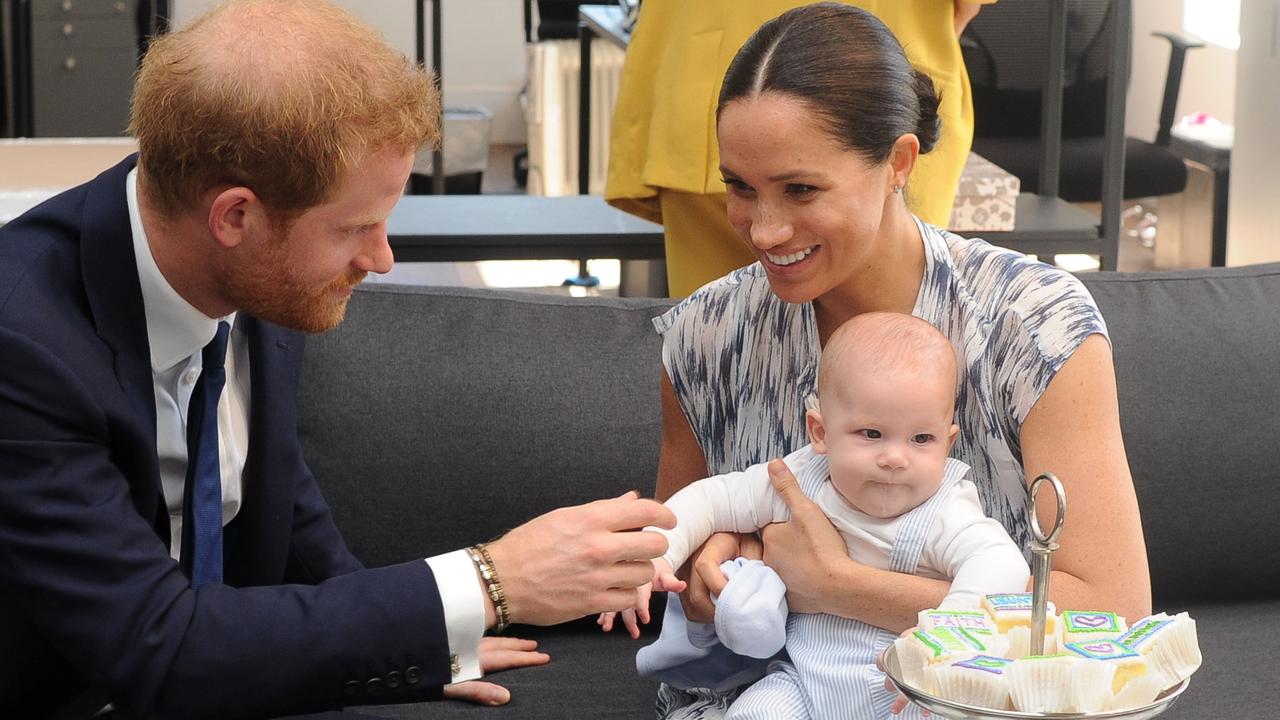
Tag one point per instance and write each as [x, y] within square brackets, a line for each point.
[484, 55]
[1208, 79]
[1255, 157]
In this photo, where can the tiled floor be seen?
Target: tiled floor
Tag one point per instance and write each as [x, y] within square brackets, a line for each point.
[548, 274]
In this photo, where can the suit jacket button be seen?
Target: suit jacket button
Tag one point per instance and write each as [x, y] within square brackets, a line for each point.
[393, 679]
[413, 675]
[352, 687]
[374, 685]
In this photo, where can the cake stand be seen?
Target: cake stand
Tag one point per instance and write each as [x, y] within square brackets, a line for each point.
[960, 711]
[1042, 547]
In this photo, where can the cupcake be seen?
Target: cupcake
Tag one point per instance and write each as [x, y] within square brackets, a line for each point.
[1011, 613]
[1089, 626]
[1127, 663]
[923, 649]
[1168, 643]
[1137, 692]
[966, 619]
[979, 681]
[1091, 683]
[977, 623]
[1042, 683]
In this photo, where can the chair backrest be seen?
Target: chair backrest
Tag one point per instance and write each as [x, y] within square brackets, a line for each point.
[1004, 51]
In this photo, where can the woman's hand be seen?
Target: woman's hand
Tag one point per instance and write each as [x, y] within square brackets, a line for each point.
[801, 549]
[496, 654]
[704, 576]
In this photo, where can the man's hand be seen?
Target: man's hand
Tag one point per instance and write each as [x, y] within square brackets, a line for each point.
[580, 560]
[496, 654]
[799, 550]
[704, 575]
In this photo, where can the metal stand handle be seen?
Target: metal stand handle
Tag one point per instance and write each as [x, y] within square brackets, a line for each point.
[1042, 548]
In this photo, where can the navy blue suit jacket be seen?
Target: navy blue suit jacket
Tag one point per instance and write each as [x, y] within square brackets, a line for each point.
[90, 598]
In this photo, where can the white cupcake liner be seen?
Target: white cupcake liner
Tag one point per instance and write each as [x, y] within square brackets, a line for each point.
[1041, 684]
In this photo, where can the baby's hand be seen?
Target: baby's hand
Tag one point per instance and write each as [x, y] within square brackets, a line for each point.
[631, 617]
[664, 578]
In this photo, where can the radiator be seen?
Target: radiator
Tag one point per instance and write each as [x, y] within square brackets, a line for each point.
[551, 109]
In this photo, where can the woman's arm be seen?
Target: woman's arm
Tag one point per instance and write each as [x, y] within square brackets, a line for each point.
[1073, 431]
[681, 462]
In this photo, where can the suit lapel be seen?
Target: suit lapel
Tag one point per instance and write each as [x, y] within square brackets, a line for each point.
[111, 285]
[111, 282]
[256, 543]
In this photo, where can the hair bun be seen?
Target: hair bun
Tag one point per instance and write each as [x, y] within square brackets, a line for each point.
[929, 126]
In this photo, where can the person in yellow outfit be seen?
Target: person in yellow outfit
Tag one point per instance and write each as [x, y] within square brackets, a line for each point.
[664, 165]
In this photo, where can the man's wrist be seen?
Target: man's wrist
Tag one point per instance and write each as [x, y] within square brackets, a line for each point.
[496, 613]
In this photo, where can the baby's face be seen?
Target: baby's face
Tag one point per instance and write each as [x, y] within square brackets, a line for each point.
[887, 449]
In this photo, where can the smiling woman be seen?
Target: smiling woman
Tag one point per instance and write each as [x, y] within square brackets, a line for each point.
[818, 134]
[663, 160]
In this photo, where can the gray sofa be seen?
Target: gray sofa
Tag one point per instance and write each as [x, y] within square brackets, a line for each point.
[435, 418]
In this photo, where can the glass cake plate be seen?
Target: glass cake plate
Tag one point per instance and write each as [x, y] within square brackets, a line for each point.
[959, 711]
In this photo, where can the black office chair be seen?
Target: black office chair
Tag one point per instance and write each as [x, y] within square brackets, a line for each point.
[1004, 50]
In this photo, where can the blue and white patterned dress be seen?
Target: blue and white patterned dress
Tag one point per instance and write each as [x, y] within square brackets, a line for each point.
[744, 363]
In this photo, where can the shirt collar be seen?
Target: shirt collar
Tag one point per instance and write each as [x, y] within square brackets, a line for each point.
[175, 329]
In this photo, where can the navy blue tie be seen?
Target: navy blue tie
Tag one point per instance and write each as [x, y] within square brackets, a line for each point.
[202, 508]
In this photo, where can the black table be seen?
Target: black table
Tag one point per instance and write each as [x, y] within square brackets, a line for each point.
[1047, 226]
[452, 228]
[1218, 161]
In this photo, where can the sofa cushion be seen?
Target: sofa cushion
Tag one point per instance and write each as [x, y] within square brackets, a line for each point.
[434, 418]
[1239, 670]
[591, 675]
[1199, 382]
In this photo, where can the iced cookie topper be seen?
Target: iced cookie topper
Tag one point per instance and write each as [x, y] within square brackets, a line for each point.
[1042, 547]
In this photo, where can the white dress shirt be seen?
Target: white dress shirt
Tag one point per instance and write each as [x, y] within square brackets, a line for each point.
[177, 332]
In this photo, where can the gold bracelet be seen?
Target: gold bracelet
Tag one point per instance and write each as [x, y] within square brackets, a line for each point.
[479, 555]
[496, 594]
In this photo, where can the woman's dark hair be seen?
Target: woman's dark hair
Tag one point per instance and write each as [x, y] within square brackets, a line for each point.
[846, 65]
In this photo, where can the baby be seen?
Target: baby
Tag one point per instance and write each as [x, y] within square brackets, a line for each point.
[877, 465]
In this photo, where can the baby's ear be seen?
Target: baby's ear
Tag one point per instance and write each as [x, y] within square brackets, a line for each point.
[952, 434]
[817, 432]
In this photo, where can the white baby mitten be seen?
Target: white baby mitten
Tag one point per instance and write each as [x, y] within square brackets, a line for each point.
[751, 611]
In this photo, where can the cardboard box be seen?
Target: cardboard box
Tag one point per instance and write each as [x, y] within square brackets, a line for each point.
[986, 198]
